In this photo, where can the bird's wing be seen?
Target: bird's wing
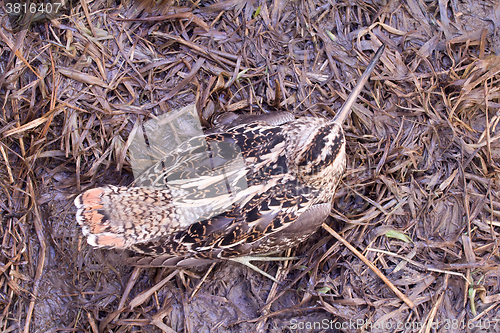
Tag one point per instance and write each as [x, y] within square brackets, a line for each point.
[205, 177]
[231, 120]
[267, 222]
[174, 253]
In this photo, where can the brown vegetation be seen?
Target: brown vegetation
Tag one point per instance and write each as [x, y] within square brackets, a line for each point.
[419, 200]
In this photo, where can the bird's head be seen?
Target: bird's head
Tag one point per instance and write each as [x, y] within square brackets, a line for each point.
[316, 152]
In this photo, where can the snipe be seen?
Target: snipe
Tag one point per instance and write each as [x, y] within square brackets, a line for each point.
[253, 189]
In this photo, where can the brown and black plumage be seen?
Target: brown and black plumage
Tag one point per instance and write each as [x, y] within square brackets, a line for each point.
[252, 189]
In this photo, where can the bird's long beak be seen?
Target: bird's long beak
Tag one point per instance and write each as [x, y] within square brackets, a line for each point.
[346, 108]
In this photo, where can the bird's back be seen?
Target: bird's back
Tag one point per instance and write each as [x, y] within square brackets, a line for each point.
[222, 195]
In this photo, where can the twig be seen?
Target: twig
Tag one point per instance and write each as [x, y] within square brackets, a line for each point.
[369, 264]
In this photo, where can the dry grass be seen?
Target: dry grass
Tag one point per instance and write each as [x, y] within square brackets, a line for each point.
[420, 199]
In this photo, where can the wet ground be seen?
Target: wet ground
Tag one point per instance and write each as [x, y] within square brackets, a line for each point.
[419, 199]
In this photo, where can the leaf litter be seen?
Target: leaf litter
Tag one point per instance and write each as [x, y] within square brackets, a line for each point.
[423, 161]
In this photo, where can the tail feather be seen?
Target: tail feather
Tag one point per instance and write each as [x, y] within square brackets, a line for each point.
[119, 217]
